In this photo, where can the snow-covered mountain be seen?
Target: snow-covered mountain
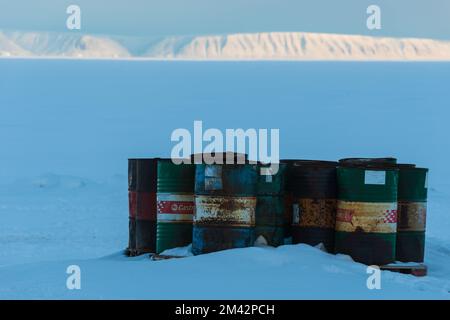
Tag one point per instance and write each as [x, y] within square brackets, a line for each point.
[251, 46]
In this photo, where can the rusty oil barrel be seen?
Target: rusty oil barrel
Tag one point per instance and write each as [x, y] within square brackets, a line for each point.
[270, 207]
[175, 204]
[145, 205]
[314, 188]
[225, 204]
[412, 209]
[366, 221]
[288, 198]
[132, 174]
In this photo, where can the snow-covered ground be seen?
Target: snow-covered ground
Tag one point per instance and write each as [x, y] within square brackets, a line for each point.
[240, 46]
[68, 127]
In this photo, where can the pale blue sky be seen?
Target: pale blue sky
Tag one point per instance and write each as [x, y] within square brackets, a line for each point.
[416, 18]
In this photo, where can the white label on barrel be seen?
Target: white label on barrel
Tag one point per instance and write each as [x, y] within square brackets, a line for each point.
[269, 178]
[375, 177]
[296, 213]
[213, 177]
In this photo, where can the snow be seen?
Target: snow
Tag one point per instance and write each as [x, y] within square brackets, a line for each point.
[68, 127]
[241, 46]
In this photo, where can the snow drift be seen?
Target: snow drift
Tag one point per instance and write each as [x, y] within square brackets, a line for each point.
[246, 46]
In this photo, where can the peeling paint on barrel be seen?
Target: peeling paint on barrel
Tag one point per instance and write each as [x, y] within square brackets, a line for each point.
[225, 203]
[412, 212]
[231, 211]
[366, 222]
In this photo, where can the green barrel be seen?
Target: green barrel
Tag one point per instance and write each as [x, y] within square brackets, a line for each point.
[366, 220]
[175, 204]
[270, 207]
[412, 211]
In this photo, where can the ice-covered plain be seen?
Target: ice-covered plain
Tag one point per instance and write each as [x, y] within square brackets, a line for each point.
[67, 128]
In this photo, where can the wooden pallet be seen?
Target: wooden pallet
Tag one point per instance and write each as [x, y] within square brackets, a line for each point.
[415, 269]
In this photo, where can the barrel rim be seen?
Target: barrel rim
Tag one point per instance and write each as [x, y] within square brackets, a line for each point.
[370, 168]
[315, 163]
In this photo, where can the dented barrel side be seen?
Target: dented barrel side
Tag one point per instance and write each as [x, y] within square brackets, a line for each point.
[366, 221]
[225, 203]
[412, 212]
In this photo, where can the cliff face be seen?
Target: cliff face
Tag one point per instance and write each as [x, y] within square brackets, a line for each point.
[254, 46]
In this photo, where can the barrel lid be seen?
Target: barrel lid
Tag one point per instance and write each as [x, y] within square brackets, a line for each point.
[368, 161]
[406, 165]
[387, 163]
[315, 163]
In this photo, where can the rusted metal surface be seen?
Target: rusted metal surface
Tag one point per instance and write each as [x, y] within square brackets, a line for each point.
[225, 211]
[225, 204]
[316, 213]
[379, 217]
[142, 205]
[412, 216]
[412, 213]
[314, 222]
[314, 188]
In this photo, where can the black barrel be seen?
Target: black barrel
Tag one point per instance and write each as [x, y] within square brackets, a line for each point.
[142, 205]
[132, 174]
[314, 188]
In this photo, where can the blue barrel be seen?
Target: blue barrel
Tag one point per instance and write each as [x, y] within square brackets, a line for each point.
[225, 204]
[270, 207]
